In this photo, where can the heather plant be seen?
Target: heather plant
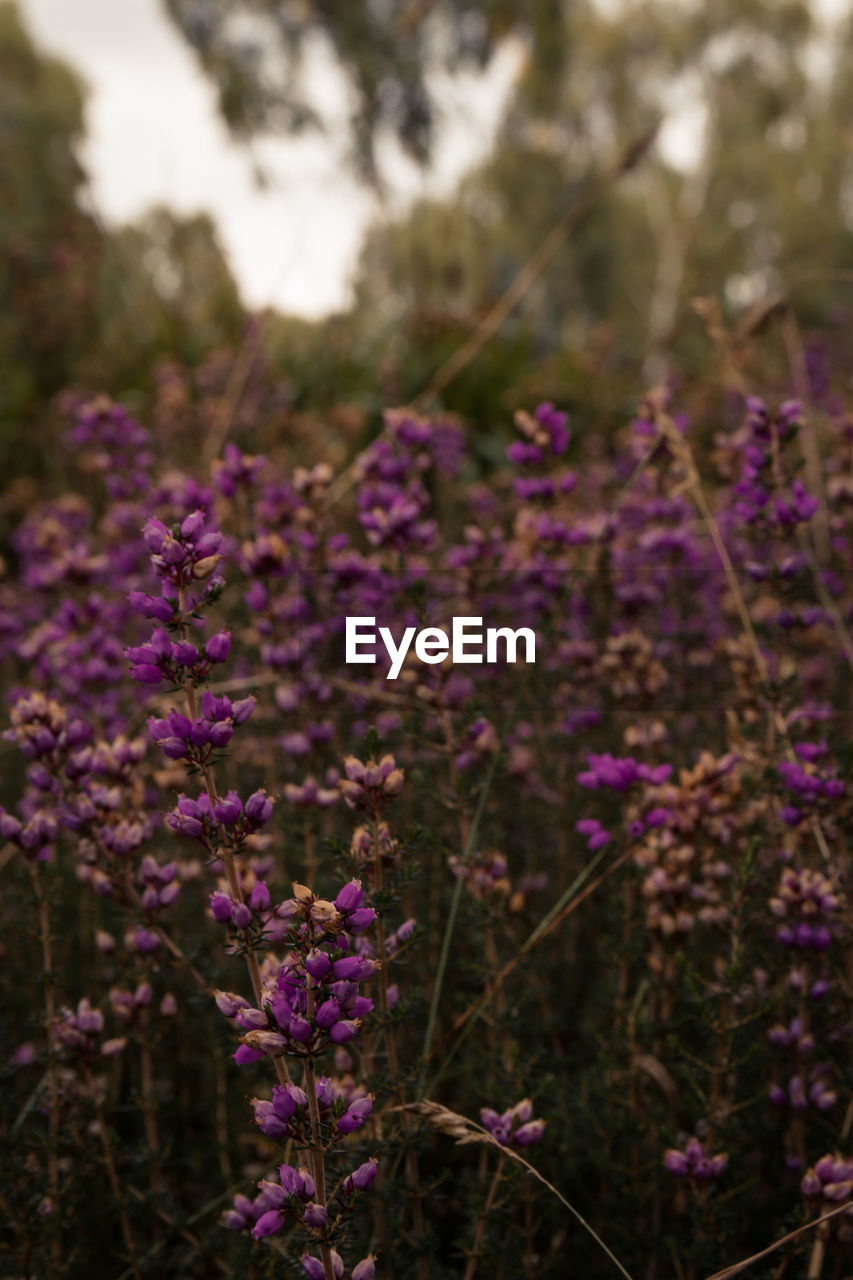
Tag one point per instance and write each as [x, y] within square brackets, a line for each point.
[278, 924]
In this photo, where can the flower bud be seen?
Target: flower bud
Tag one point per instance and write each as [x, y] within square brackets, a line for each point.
[266, 1042]
[317, 963]
[360, 920]
[393, 784]
[283, 1103]
[221, 734]
[354, 769]
[365, 1175]
[241, 915]
[218, 646]
[251, 1019]
[258, 808]
[192, 525]
[349, 897]
[325, 1095]
[228, 1003]
[273, 1193]
[233, 1220]
[355, 968]
[221, 906]
[316, 1215]
[327, 1014]
[242, 710]
[185, 654]
[342, 1032]
[676, 1162]
[355, 1115]
[204, 568]
[260, 896]
[245, 1054]
[268, 1224]
[229, 810]
[300, 1028]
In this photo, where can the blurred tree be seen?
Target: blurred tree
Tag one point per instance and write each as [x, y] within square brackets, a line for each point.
[80, 303]
[254, 51]
[49, 244]
[762, 205]
[164, 289]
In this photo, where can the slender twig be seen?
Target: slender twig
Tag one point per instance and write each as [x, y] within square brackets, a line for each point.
[112, 1176]
[736, 1267]
[474, 1256]
[538, 935]
[535, 265]
[237, 379]
[520, 286]
[468, 1131]
[457, 889]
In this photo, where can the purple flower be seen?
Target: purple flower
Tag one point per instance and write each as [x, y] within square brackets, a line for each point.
[221, 906]
[350, 897]
[364, 1176]
[229, 810]
[356, 1114]
[244, 1054]
[316, 1215]
[218, 646]
[258, 808]
[268, 1224]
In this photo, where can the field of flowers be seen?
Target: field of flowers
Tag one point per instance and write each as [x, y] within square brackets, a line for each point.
[493, 969]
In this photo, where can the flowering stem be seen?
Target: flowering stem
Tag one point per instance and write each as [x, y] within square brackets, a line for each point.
[682, 451]
[393, 1066]
[318, 1165]
[222, 851]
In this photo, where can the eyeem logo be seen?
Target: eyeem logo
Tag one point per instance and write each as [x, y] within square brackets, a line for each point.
[432, 644]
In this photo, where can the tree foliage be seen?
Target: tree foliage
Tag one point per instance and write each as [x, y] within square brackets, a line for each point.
[80, 303]
[254, 51]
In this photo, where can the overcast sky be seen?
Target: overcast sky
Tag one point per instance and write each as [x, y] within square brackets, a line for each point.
[155, 136]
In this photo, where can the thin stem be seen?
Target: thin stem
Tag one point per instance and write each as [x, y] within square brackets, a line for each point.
[469, 836]
[52, 1082]
[566, 905]
[316, 1149]
[474, 1256]
[736, 1267]
[393, 1066]
[149, 1104]
[112, 1176]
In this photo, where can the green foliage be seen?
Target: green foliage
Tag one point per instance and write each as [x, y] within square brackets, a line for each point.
[48, 244]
